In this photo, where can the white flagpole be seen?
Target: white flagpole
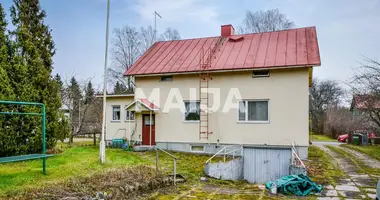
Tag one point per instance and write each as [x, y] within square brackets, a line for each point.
[102, 142]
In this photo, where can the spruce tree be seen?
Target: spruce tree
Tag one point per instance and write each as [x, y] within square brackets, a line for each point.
[89, 93]
[33, 49]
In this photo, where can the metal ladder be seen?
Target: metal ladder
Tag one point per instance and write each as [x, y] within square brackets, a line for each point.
[204, 78]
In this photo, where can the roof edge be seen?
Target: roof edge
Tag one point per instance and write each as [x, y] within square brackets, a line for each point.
[227, 70]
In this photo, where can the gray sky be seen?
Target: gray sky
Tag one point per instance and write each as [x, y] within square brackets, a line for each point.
[347, 29]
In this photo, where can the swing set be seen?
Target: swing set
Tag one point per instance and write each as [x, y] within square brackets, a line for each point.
[43, 155]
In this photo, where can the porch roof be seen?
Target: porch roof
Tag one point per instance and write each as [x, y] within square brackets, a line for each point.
[145, 102]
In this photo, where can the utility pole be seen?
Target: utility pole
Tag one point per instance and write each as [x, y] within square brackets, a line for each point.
[102, 142]
[155, 24]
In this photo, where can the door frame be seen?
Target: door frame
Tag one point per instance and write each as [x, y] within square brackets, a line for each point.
[152, 130]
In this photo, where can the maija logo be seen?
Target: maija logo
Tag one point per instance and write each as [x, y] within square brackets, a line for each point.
[209, 99]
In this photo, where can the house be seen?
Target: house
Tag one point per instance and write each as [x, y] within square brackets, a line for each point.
[200, 95]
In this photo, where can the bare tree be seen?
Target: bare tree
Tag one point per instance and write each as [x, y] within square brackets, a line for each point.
[170, 34]
[83, 108]
[126, 48]
[265, 21]
[340, 120]
[128, 45]
[366, 85]
[148, 37]
[323, 94]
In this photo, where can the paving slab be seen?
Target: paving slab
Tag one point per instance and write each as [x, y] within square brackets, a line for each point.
[372, 196]
[370, 190]
[330, 193]
[328, 198]
[350, 188]
[345, 181]
[350, 194]
[329, 187]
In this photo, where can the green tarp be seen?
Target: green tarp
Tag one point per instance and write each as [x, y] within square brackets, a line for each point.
[299, 185]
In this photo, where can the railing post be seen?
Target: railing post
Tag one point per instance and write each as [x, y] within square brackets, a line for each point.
[43, 138]
[175, 170]
[156, 161]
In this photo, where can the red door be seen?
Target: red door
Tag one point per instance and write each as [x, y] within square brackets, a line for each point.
[147, 137]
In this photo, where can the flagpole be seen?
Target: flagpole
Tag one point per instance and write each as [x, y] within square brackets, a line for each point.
[102, 142]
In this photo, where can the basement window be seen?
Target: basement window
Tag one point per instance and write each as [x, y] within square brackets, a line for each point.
[166, 78]
[261, 73]
[197, 148]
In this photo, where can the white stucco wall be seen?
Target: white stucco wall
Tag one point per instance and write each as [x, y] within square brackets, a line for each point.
[287, 91]
[121, 128]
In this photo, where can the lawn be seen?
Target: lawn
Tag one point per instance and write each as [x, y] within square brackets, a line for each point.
[82, 162]
[322, 138]
[321, 169]
[371, 151]
[72, 162]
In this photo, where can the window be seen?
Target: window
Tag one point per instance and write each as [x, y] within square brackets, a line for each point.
[166, 78]
[253, 111]
[131, 117]
[192, 110]
[261, 73]
[148, 121]
[197, 148]
[116, 113]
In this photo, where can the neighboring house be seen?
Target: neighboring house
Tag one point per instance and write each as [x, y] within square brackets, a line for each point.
[367, 108]
[259, 96]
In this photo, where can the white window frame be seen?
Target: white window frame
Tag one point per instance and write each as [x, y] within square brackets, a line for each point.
[116, 120]
[191, 148]
[246, 112]
[127, 115]
[184, 114]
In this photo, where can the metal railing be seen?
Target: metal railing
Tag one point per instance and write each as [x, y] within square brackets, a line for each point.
[174, 162]
[296, 160]
[228, 151]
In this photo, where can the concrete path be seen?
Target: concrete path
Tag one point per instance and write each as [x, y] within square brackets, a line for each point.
[356, 185]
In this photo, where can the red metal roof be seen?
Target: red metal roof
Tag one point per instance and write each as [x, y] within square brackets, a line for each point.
[295, 47]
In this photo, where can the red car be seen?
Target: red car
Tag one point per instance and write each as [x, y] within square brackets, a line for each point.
[343, 138]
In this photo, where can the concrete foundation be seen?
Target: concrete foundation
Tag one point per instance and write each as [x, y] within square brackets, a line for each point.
[212, 148]
[231, 170]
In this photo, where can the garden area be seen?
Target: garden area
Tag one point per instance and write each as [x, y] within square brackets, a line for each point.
[76, 172]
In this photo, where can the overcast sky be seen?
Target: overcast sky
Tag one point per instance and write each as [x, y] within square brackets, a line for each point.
[347, 29]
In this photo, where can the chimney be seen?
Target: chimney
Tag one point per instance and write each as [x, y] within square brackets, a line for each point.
[227, 30]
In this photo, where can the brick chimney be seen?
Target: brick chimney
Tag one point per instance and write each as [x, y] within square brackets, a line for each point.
[227, 30]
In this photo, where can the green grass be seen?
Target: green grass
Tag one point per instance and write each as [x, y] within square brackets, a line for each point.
[73, 162]
[371, 151]
[321, 169]
[322, 138]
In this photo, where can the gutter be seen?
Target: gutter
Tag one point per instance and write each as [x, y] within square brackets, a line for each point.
[220, 71]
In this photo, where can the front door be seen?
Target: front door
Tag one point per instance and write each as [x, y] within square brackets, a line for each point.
[148, 130]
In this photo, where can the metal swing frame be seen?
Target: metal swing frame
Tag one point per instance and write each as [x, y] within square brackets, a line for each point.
[43, 155]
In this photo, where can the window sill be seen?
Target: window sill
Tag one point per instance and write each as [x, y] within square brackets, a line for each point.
[129, 120]
[252, 122]
[115, 121]
[190, 122]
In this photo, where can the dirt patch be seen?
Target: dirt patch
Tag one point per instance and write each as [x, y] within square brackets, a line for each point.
[126, 183]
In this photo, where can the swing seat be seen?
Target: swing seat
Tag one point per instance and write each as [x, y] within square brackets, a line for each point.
[24, 157]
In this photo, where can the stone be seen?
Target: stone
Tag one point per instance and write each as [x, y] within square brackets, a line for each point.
[330, 193]
[347, 188]
[204, 179]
